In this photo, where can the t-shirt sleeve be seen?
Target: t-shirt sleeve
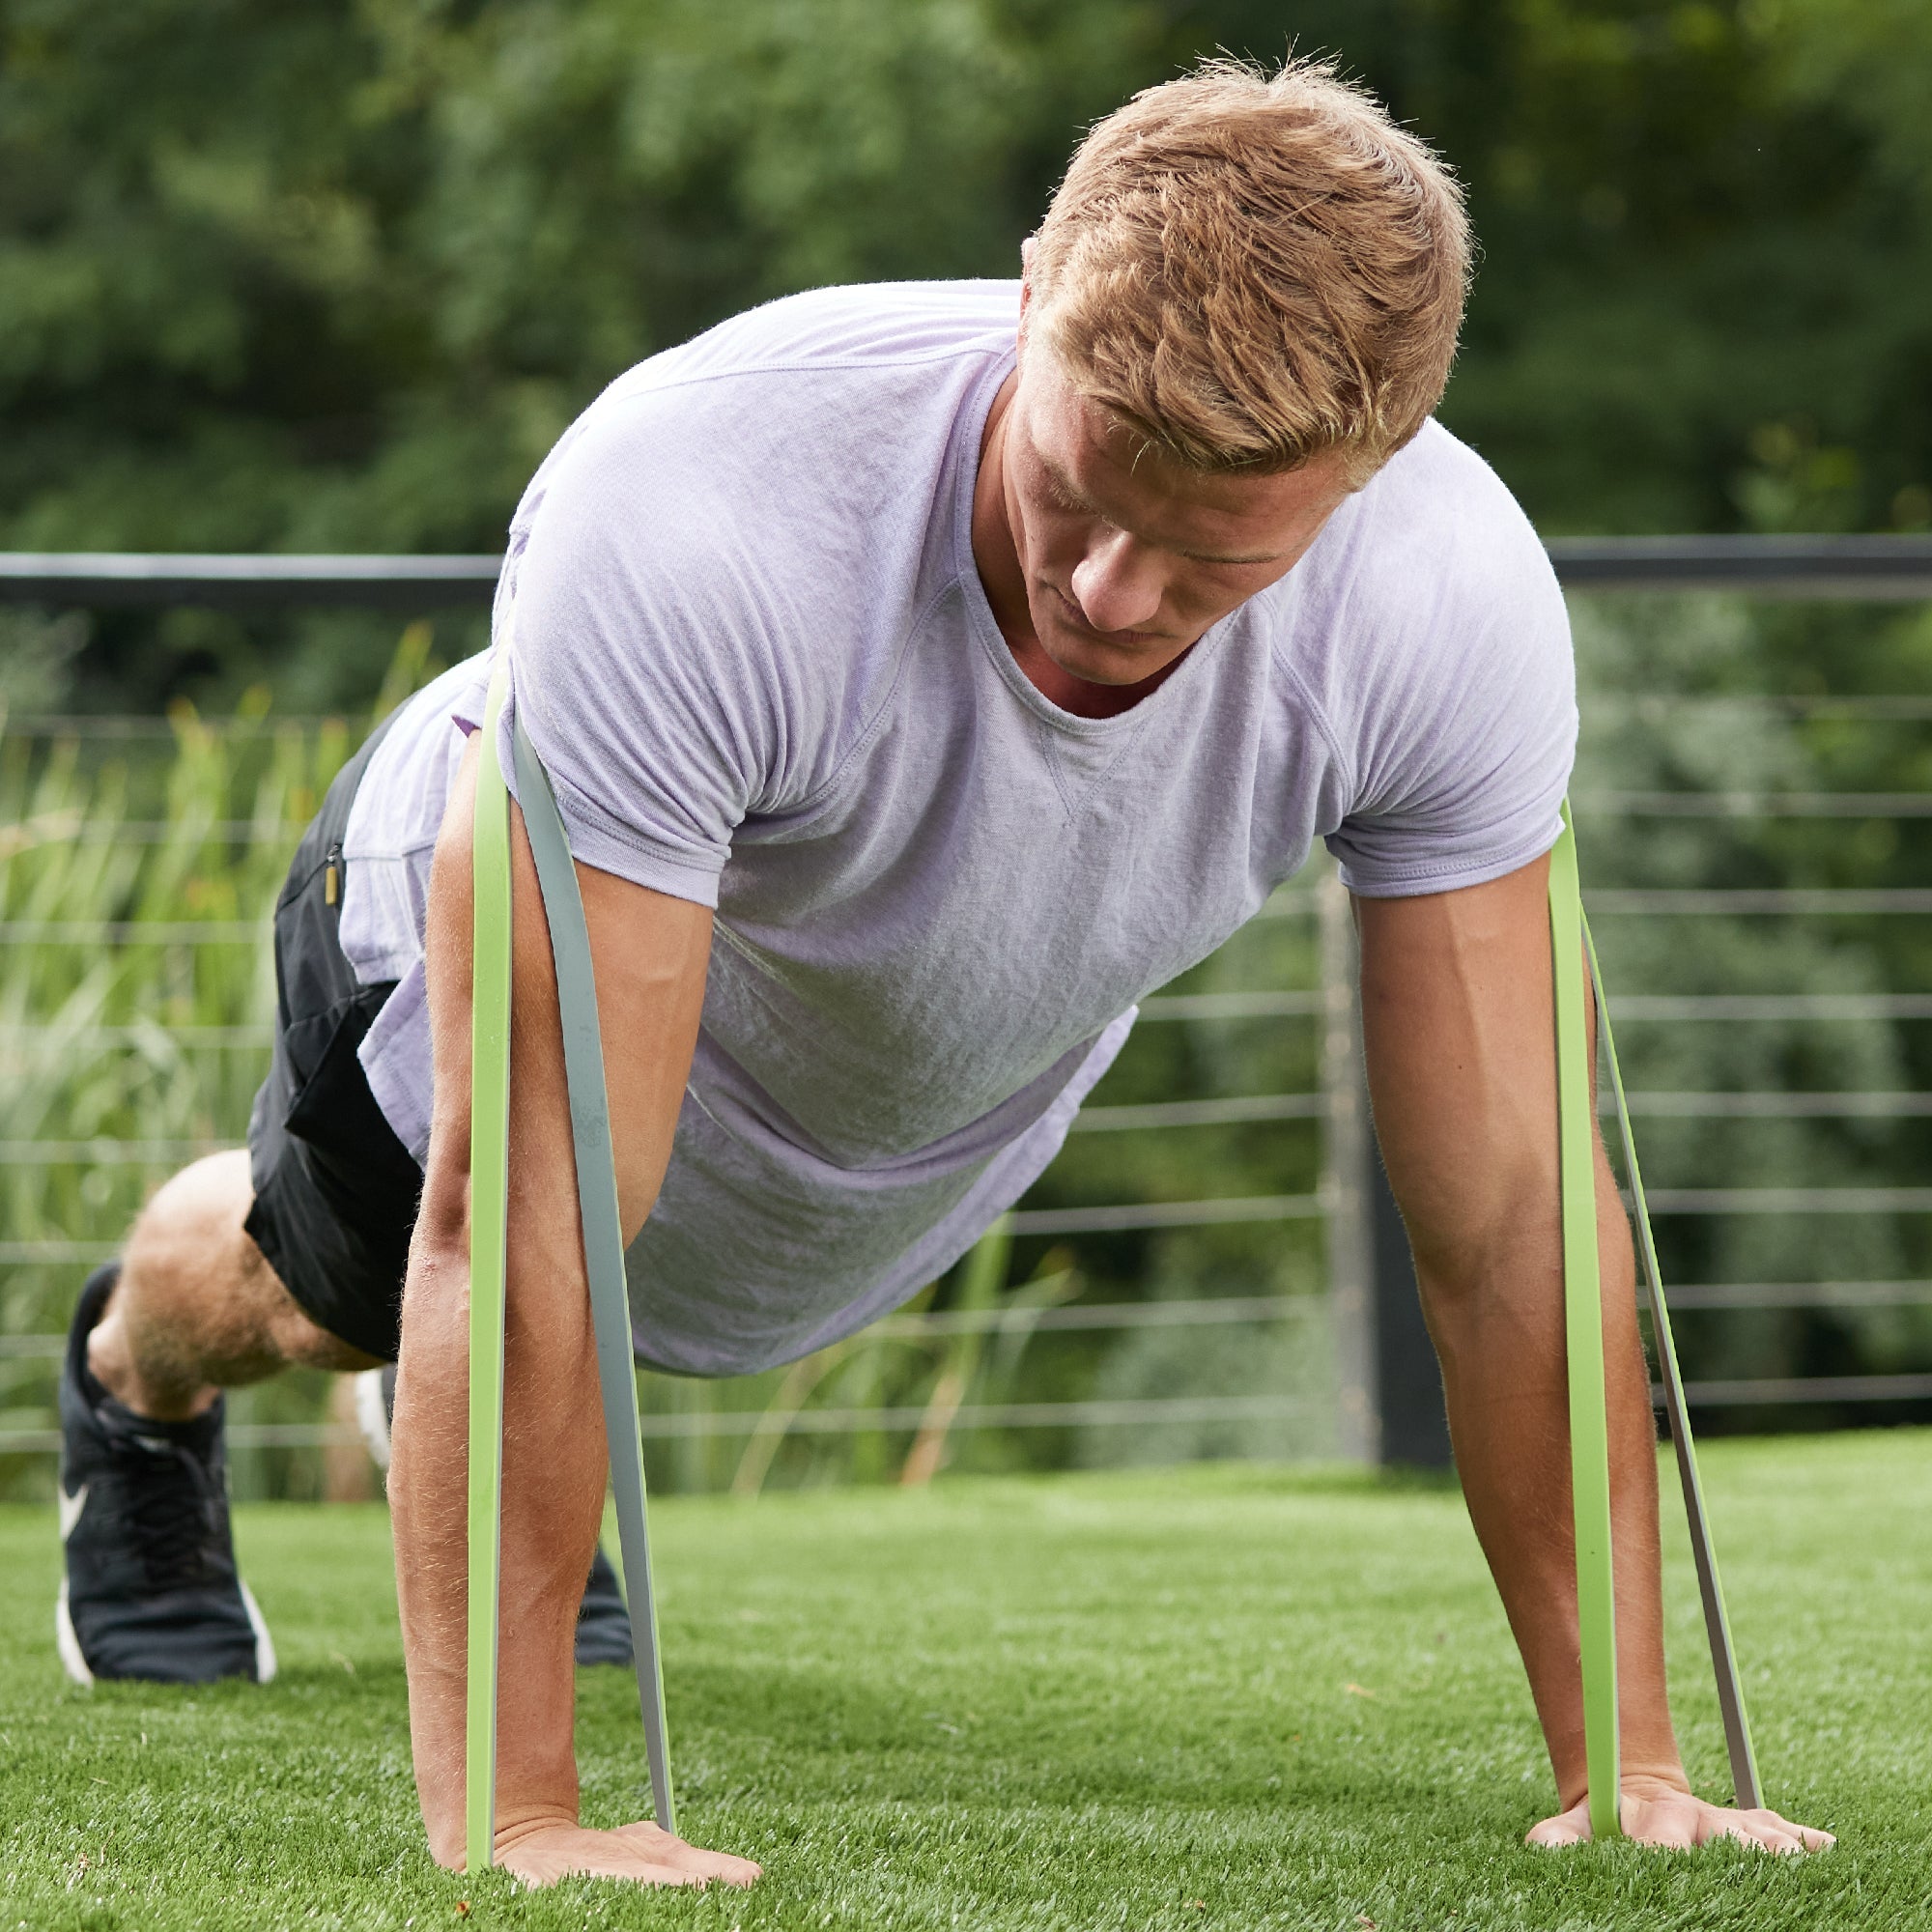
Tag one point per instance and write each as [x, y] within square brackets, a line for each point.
[636, 667]
[1462, 757]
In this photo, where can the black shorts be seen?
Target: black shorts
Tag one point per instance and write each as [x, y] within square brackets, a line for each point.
[336, 1193]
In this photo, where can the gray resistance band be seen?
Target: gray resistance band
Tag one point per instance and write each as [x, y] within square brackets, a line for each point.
[604, 1259]
[603, 1239]
[1576, 968]
[1710, 1589]
[604, 1254]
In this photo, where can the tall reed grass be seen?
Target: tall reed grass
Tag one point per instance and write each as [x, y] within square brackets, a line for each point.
[137, 879]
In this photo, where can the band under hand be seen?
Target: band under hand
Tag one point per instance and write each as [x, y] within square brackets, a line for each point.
[603, 1252]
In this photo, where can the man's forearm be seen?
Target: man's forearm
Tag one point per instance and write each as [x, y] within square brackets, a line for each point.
[552, 1496]
[1502, 1344]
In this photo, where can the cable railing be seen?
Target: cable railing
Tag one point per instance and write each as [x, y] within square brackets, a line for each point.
[1347, 1174]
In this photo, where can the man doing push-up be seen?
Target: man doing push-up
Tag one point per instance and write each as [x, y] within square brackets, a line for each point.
[925, 673]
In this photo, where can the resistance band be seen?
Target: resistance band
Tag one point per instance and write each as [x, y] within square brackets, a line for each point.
[604, 1256]
[1589, 1435]
[603, 1253]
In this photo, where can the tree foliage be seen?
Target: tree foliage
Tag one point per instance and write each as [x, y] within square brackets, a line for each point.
[305, 276]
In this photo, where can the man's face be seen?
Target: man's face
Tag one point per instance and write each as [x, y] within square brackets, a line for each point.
[1127, 555]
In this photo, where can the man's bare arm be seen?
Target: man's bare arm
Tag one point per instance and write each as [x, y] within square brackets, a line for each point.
[650, 953]
[1457, 1018]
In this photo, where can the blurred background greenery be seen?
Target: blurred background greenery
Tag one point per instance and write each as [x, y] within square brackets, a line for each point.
[332, 277]
[281, 275]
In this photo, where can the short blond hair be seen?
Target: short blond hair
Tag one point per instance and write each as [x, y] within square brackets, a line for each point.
[1249, 269]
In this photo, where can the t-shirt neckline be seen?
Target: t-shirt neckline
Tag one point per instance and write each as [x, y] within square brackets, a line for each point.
[979, 610]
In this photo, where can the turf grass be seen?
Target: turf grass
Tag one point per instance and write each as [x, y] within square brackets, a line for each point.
[1223, 1697]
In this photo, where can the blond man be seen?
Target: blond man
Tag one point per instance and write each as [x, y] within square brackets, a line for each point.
[925, 672]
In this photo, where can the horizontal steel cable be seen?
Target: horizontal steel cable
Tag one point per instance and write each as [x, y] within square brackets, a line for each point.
[1702, 901]
[1675, 901]
[803, 1422]
[1768, 1391]
[1789, 1200]
[1802, 1294]
[1662, 1007]
[1253, 1109]
[106, 1152]
[1755, 805]
[1128, 1216]
[1207, 1311]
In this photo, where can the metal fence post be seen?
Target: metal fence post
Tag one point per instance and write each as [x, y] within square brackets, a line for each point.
[1388, 1385]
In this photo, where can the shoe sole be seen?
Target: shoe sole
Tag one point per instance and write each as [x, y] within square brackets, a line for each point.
[75, 1662]
[265, 1645]
[67, 1644]
[372, 1417]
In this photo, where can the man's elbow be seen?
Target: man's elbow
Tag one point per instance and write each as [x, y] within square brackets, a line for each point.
[1485, 1256]
[436, 1290]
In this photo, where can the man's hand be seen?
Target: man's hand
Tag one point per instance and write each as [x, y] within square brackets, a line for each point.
[649, 953]
[542, 1852]
[1459, 1026]
[1657, 1812]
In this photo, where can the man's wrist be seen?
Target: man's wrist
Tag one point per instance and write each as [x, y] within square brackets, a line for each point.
[1646, 1776]
[527, 1821]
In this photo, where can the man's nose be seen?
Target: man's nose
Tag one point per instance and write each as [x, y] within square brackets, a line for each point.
[1118, 584]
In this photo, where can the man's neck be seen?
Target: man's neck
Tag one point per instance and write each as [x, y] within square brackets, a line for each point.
[997, 558]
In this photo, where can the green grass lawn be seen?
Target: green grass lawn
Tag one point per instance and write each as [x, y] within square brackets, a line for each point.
[1224, 1697]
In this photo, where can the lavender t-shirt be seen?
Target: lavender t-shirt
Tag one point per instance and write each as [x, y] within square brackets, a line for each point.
[748, 643]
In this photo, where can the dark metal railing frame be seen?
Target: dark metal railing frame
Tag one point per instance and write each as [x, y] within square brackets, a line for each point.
[1887, 568]
[1884, 568]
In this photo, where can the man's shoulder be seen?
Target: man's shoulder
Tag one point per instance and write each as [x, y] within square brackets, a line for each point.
[1430, 557]
[863, 325]
[1430, 593]
[1438, 522]
[760, 518]
[839, 398]
[870, 330]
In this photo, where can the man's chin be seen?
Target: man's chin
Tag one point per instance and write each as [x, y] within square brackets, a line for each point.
[1113, 669]
[1094, 659]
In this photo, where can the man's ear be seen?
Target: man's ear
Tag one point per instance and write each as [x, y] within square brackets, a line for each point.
[1026, 286]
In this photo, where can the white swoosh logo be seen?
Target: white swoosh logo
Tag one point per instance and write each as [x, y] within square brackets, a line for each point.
[70, 1507]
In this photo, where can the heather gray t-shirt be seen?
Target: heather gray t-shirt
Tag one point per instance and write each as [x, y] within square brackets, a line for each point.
[748, 641]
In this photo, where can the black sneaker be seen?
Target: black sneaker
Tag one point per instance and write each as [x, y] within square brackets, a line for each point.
[603, 1623]
[151, 1589]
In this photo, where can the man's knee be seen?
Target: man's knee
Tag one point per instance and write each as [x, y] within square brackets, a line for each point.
[193, 1223]
[192, 1268]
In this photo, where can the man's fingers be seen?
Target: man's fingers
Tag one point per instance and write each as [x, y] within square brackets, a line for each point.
[641, 1853]
[1771, 1828]
[1671, 1826]
[1681, 1824]
[654, 1842]
[545, 1865]
[1567, 1827]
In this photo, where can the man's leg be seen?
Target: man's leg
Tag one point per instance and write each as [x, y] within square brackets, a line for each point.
[151, 1589]
[197, 1309]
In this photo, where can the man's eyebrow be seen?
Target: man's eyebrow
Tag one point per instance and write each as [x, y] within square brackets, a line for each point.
[1063, 486]
[1256, 556]
[1071, 498]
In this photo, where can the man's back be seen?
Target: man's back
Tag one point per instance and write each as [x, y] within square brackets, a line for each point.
[752, 647]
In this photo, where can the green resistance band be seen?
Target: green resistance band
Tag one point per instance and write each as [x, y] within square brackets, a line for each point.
[597, 1201]
[1589, 1434]
[603, 1249]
